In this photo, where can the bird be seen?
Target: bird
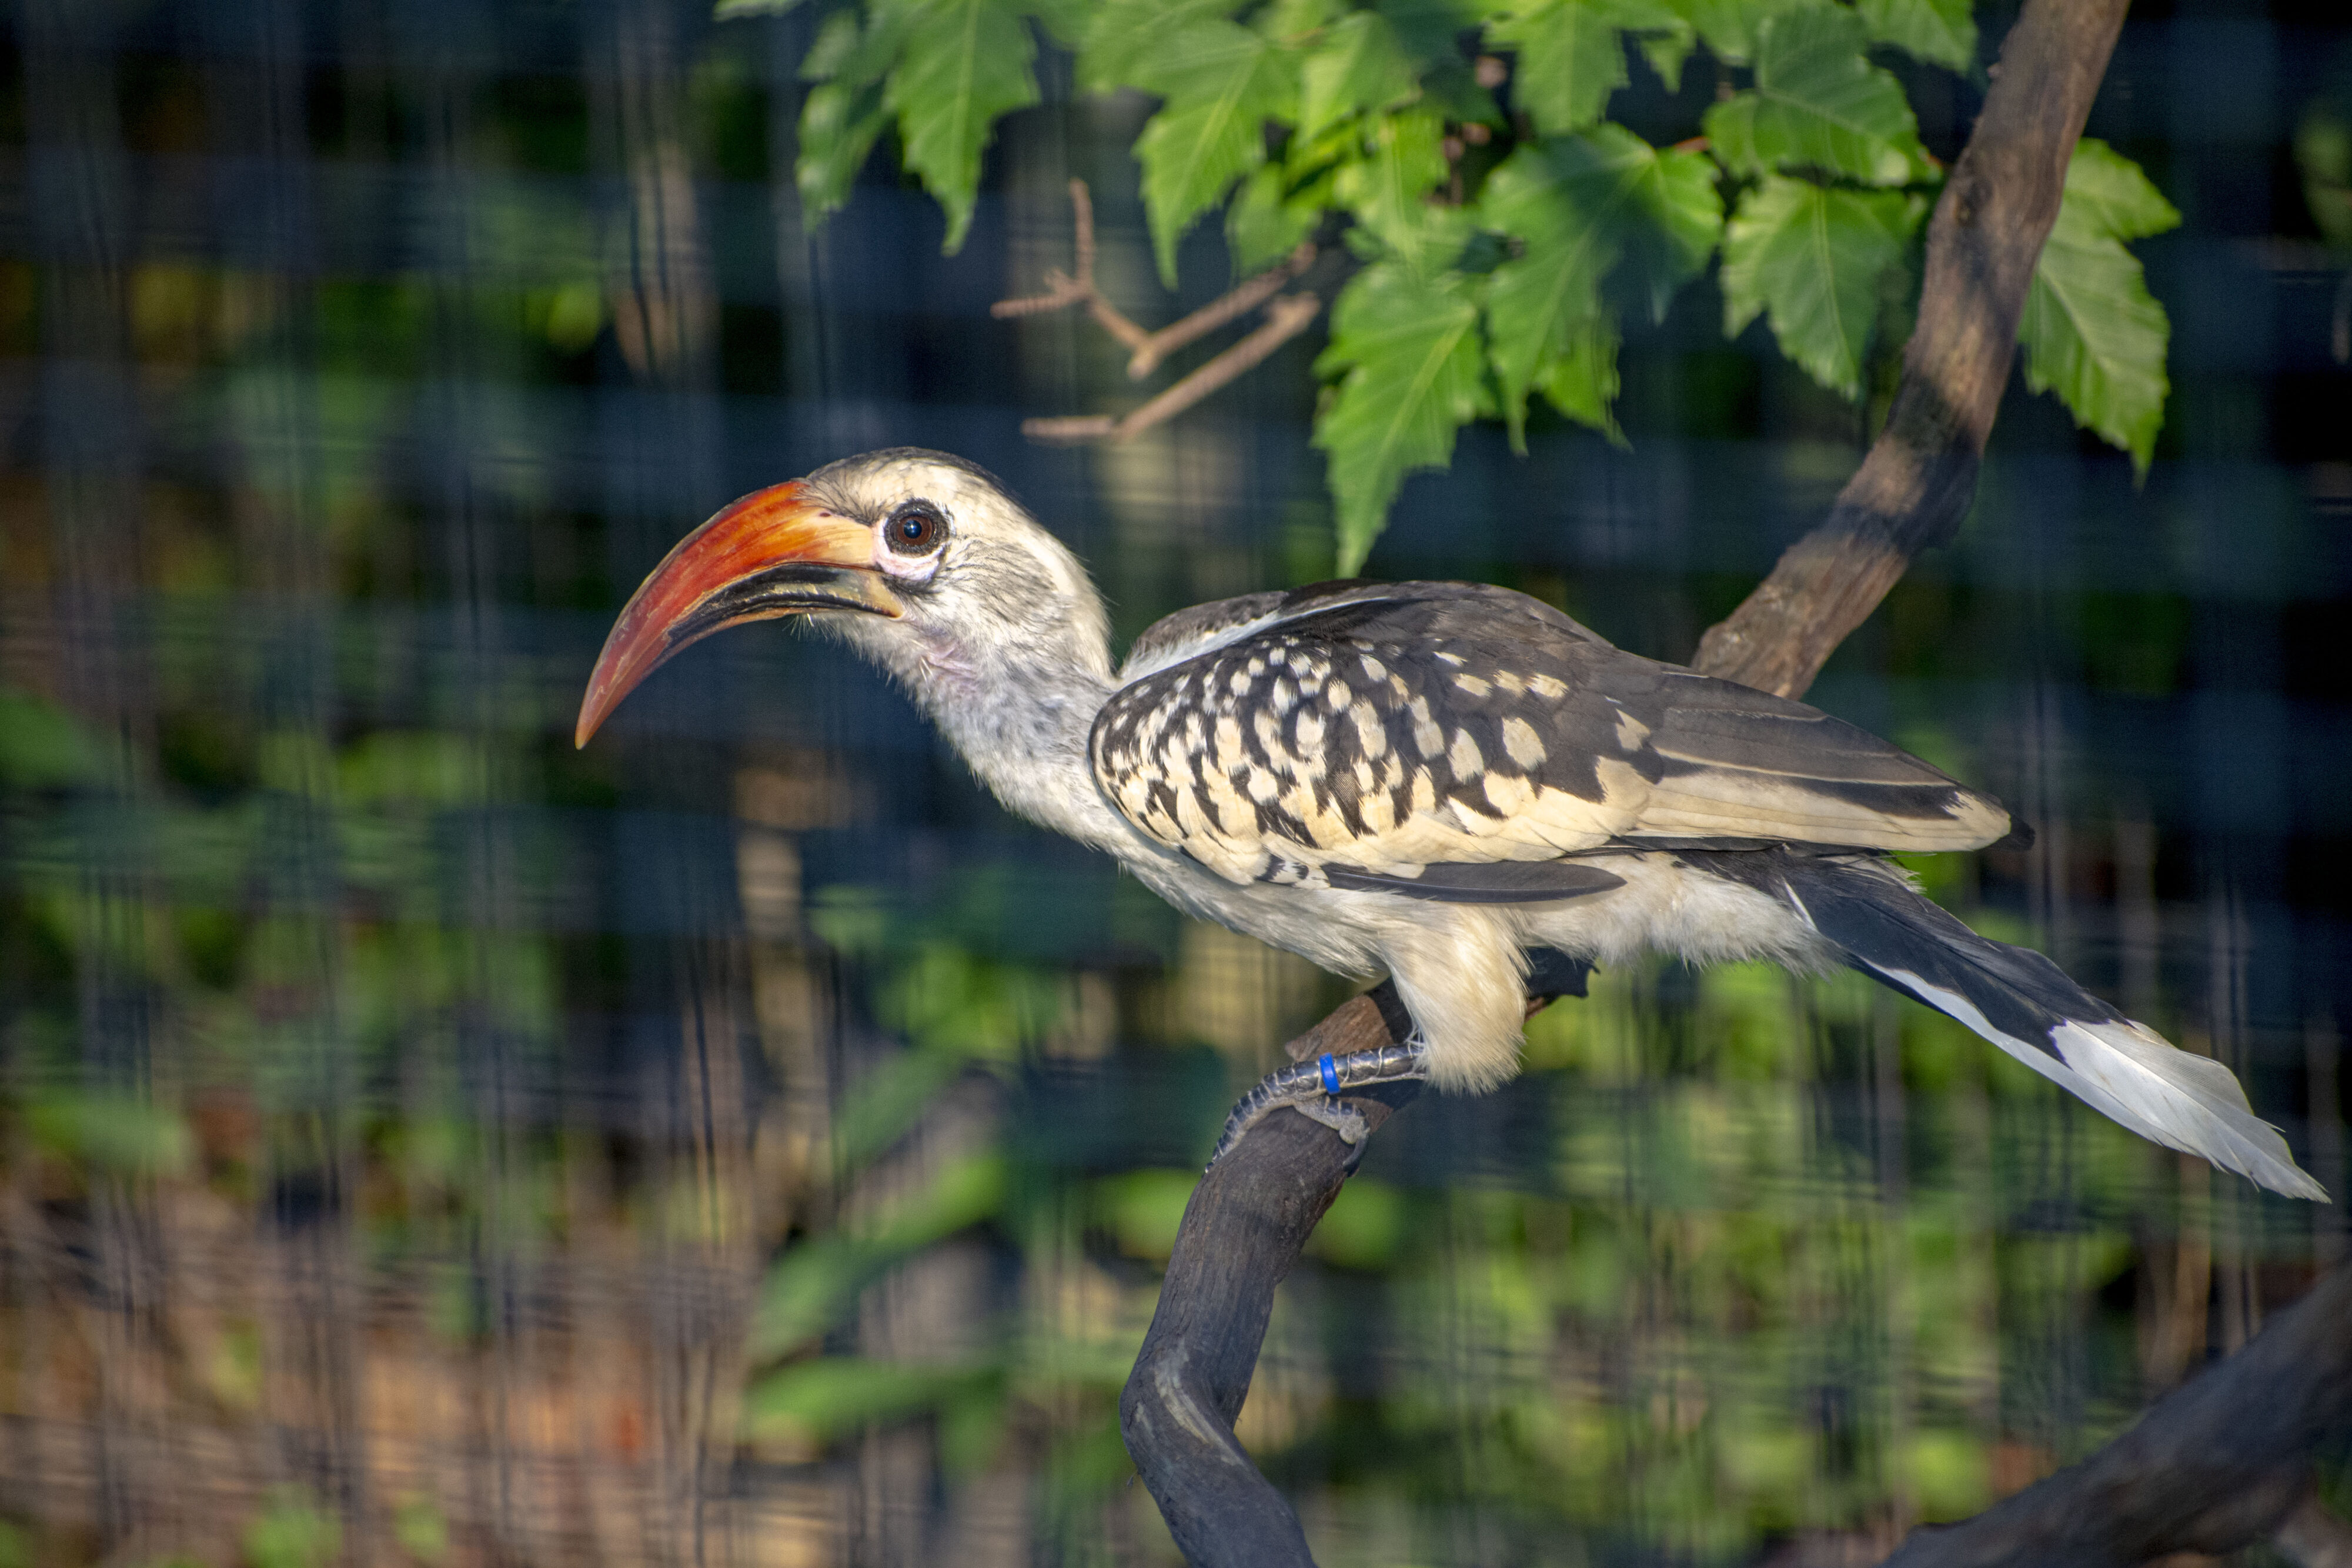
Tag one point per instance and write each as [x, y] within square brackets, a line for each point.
[1451, 783]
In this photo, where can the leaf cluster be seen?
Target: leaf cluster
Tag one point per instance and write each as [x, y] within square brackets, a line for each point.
[1504, 225]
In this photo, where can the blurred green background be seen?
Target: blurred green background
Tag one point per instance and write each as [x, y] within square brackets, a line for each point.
[421, 1143]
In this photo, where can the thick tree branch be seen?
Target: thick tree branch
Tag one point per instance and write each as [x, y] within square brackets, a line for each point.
[1915, 484]
[2219, 1463]
[1242, 1231]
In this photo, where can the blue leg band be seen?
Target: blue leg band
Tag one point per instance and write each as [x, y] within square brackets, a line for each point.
[1330, 1075]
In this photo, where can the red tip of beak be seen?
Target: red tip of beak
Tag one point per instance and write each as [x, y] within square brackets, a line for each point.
[707, 584]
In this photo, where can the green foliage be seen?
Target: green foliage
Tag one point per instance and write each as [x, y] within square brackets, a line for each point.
[1221, 83]
[843, 111]
[1492, 275]
[1818, 105]
[2322, 153]
[820, 1399]
[2092, 333]
[816, 1280]
[1575, 208]
[1406, 352]
[1144, 1208]
[945, 71]
[1359, 65]
[1571, 53]
[293, 1533]
[964, 63]
[1809, 257]
[41, 748]
[119, 1135]
[422, 1529]
[1939, 31]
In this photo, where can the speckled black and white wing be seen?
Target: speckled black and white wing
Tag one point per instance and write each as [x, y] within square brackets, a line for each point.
[1450, 739]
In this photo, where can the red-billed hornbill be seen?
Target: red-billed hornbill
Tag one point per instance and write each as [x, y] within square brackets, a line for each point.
[1444, 781]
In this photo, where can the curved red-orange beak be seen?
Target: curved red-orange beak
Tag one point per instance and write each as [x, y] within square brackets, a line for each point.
[775, 552]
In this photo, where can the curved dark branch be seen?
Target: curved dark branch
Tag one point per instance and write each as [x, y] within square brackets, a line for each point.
[1242, 1231]
[1920, 475]
[2223, 1462]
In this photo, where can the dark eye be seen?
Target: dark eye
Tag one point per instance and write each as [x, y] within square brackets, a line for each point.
[916, 529]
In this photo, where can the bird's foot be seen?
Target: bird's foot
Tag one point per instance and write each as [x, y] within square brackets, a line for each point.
[1312, 1089]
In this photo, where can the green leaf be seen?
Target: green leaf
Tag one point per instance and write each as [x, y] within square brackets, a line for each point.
[729, 10]
[1064, 21]
[111, 1133]
[1388, 194]
[825, 1397]
[844, 112]
[1126, 35]
[1360, 67]
[1941, 31]
[964, 63]
[848, 50]
[1571, 56]
[1570, 60]
[1675, 192]
[1299, 22]
[1810, 256]
[1666, 52]
[1818, 103]
[2322, 153]
[1222, 83]
[1579, 207]
[838, 125]
[2113, 194]
[1405, 349]
[816, 1280]
[41, 747]
[1263, 225]
[1580, 380]
[2092, 333]
[1430, 32]
[1729, 26]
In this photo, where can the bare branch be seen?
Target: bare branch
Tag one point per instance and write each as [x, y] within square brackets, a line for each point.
[1062, 290]
[1233, 304]
[1071, 428]
[1915, 484]
[1285, 318]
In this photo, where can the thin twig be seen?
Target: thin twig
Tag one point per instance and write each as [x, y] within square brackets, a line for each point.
[1062, 290]
[1284, 319]
[1233, 304]
[1071, 428]
[1149, 350]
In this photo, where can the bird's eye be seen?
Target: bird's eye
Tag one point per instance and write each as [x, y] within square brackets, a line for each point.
[916, 529]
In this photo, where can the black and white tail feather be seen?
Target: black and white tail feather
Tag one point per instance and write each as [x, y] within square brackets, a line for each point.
[2024, 1004]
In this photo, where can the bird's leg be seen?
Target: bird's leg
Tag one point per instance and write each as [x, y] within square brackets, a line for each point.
[1312, 1088]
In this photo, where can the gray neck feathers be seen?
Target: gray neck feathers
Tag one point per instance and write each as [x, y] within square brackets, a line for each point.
[1016, 694]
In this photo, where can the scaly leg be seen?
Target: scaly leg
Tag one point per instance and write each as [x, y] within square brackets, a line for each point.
[1312, 1089]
